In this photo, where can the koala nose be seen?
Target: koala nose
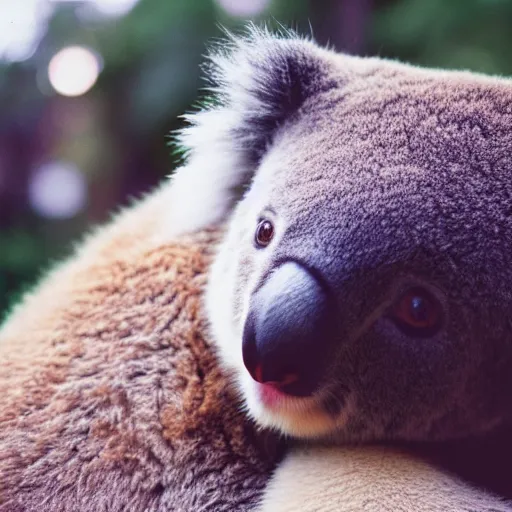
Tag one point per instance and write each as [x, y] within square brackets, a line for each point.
[288, 334]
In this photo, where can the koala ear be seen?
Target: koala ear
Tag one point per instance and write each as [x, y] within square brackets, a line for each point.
[259, 81]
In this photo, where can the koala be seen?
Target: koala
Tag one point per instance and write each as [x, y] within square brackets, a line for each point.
[362, 291]
[359, 216]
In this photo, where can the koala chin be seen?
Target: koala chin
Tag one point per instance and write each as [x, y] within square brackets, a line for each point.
[363, 290]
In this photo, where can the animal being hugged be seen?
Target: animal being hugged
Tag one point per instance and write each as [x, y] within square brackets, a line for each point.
[360, 215]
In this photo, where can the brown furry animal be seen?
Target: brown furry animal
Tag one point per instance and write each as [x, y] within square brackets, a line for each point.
[349, 297]
[111, 397]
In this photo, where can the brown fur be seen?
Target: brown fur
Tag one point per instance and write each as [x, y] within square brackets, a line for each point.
[111, 397]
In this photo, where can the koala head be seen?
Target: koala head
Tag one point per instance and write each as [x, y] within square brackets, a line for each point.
[363, 290]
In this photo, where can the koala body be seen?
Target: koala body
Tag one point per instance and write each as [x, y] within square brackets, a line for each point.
[363, 288]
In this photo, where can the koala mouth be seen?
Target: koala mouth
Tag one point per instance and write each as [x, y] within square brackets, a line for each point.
[275, 399]
[271, 396]
[274, 396]
[311, 416]
[287, 386]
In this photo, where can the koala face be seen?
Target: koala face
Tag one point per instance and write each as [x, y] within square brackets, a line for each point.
[364, 287]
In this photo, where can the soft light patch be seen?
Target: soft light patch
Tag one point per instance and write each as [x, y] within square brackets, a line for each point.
[74, 70]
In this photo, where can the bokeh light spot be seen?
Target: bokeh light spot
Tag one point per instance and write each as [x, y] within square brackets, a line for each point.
[73, 70]
[243, 8]
[57, 190]
[115, 7]
[22, 24]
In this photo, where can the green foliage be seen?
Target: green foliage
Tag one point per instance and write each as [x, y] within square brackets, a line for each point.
[21, 255]
[462, 34]
[159, 47]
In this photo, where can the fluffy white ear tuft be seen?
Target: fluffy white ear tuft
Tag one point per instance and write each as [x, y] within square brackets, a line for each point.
[258, 82]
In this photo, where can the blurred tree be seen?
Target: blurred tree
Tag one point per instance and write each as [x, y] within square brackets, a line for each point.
[461, 34]
[115, 135]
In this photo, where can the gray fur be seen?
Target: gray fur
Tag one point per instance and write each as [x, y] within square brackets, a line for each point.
[379, 176]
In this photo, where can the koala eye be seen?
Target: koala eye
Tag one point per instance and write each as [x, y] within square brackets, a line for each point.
[417, 313]
[264, 233]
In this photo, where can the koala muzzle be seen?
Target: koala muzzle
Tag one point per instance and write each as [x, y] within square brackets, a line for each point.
[288, 333]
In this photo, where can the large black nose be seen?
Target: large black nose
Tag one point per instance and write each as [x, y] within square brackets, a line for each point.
[288, 334]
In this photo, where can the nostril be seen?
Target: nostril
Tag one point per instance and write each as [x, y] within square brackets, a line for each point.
[289, 378]
[263, 368]
[258, 374]
[265, 378]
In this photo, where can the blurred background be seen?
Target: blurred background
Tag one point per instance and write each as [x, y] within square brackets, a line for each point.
[90, 90]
